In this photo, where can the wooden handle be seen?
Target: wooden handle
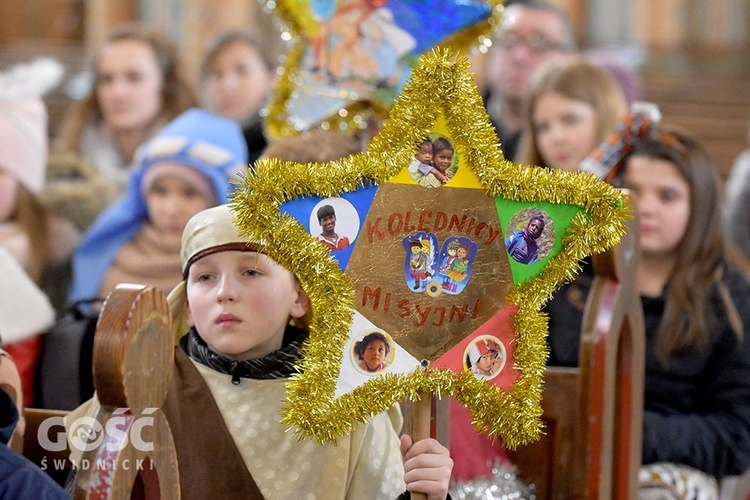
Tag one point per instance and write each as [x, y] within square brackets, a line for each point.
[422, 417]
[421, 427]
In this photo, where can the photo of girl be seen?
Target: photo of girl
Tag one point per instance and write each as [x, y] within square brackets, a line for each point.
[373, 353]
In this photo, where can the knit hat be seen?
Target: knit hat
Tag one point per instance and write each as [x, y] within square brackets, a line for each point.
[210, 144]
[212, 230]
[479, 349]
[207, 144]
[23, 120]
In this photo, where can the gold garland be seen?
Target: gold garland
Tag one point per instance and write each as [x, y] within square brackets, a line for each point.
[443, 78]
[358, 114]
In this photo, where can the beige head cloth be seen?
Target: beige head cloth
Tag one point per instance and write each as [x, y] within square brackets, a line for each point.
[209, 231]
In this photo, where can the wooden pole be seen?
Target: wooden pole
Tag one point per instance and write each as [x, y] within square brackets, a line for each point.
[422, 427]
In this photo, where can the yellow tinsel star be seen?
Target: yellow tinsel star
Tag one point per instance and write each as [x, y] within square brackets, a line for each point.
[432, 272]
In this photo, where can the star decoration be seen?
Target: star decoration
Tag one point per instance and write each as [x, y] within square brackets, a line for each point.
[401, 272]
[348, 59]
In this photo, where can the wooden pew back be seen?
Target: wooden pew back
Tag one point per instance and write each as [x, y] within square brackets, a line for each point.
[593, 413]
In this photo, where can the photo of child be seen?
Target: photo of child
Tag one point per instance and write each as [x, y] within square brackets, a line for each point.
[433, 164]
[335, 223]
[373, 353]
[328, 235]
[485, 357]
[530, 236]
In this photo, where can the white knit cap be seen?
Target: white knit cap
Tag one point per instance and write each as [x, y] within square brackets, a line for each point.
[23, 120]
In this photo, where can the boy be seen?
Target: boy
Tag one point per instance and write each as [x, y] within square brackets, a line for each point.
[329, 237]
[522, 244]
[246, 318]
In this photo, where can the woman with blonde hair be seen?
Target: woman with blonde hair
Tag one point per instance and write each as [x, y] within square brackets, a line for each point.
[139, 86]
[572, 105]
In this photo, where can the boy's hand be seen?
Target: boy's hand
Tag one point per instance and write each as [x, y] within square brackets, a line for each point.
[427, 467]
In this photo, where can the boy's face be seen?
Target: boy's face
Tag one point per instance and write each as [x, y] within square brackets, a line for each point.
[443, 159]
[424, 154]
[171, 202]
[241, 302]
[535, 229]
[374, 354]
[328, 223]
[484, 362]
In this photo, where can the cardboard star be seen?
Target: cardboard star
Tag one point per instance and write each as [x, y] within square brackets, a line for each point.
[349, 59]
[432, 274]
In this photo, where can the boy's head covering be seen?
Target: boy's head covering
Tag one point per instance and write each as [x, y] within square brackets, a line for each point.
[210, 145]
[23, 120]
[212, 230]
[479, 349]
[25, 310]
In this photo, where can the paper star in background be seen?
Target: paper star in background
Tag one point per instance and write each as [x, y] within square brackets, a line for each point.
[349, 59]
[430, 273]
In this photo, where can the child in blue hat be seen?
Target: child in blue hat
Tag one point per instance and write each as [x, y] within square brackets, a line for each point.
[184, 169]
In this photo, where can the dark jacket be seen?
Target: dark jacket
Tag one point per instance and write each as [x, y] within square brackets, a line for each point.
[696, 408]
[19, 477]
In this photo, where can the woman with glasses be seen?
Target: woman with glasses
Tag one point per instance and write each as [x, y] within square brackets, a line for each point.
[533, 33]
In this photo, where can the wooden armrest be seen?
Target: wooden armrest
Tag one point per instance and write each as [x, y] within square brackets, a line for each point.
[36, 446]
[45, 442]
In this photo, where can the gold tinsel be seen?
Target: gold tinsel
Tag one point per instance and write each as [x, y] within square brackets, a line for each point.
[359, 113]
[440, 84]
